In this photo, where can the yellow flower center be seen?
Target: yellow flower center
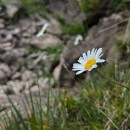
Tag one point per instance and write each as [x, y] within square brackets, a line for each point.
[89, 63]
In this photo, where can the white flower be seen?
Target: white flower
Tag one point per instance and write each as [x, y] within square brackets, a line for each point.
[88, 61]
[78, 39]
[42, 31]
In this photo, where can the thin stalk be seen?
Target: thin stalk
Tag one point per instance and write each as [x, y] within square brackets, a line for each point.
[114, 82]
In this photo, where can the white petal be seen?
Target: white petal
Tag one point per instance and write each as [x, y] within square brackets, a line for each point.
[99, 51]
[78, 39]
[92, 52]
[39, 34]
[76, 69]
[94, 66]
[79, 72]
[76, 42]
[45, 26]
[85, 56]
[100, 61]
[78, 66]
[81, 61]
[100, 56]
[88, 54]
[95, 51]
[90, 69]
[42, 31]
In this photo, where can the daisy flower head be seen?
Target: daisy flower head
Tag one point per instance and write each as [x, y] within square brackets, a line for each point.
[43, 30]
[78, 39]
[88, 61]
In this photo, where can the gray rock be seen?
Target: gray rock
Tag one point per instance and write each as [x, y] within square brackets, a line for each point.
[2, 91]
[6, 46]
[54, 26]
[2, 77]
[45, 41]
[15, 87]
[16, 76]
[12, 9]
[56, 72]
[15, 31]
[5, 36]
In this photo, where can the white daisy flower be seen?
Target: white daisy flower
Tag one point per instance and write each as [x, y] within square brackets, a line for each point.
[78, 39]
[42, 31]
[88, 61]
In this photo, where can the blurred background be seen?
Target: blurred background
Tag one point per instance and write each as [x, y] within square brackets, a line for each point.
[31, 63]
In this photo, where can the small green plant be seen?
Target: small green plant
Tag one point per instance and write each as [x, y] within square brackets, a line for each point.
[76, 28]
[54, 52]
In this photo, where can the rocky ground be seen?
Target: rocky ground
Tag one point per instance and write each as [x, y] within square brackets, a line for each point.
[24, 62]
[19, 58]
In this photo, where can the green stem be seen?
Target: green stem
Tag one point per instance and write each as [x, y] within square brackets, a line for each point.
[114, 82]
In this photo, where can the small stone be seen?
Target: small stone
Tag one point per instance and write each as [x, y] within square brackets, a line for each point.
[6, 46]
[5, 68]
[15, 31]
[2, 20]
[27, 75]
[29, 84]
[5, 36]
[15, 87]
[35, 88]
[2, 25]
[3, 77]
[17, 76]
[12, 9]
[2, 91]
[56, 72]
[45, 82]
